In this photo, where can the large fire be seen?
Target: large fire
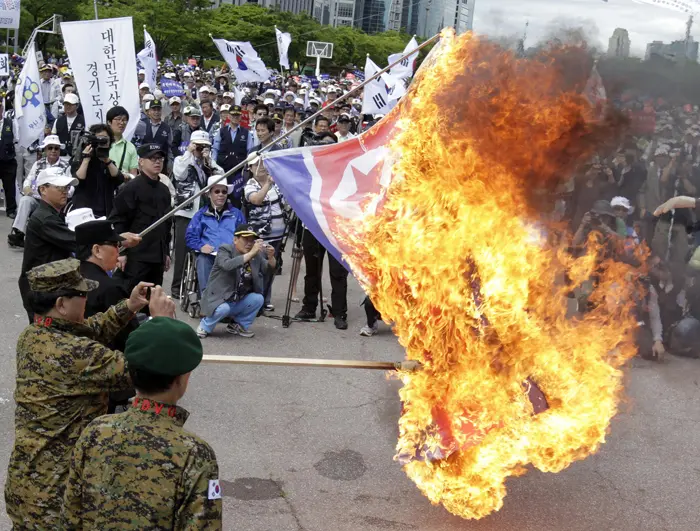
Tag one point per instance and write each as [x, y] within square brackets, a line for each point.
[455, 257]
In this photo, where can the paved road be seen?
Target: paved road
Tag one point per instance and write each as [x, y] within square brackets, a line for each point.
[311, 449]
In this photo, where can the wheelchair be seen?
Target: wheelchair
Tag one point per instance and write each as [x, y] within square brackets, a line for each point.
[189, 287]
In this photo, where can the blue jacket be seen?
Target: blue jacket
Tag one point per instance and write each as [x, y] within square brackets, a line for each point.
[206, 228]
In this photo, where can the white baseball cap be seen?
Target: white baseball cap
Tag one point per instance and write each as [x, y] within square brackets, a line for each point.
[174, 99]
[623, 202]
[200, 137]
[300, 101]
[51, 140]
[229, 95]
[144, 85]
[79, 216]
[55, 177]
[204, 88]
[71, 98]
[269, 101]
[142, 71]
[222, 182]
[225, 108]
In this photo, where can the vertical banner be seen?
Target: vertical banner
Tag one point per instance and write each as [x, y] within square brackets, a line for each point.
[9, 14]
[149, 60]
[105, 70]
[30, 113]
[283, 42]
[4, 65]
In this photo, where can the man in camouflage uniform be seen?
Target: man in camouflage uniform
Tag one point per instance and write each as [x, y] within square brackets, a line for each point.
[140, 469]
[64, 372]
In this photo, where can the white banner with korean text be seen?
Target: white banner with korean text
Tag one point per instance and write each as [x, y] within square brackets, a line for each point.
[9, 14]
[105, 71]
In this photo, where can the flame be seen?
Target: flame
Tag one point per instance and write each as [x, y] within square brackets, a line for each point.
[449, 257]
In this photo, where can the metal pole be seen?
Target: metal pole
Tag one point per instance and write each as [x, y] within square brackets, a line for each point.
[407, 365]
[311, 118]
[94, 3]
[318, 66]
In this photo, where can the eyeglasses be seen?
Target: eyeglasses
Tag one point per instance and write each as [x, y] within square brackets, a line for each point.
[156, 160]
[53, 148]
[219, 192]
[60, 188]
[121, 119]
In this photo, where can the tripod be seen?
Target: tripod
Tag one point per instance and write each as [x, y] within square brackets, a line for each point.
[297, 254]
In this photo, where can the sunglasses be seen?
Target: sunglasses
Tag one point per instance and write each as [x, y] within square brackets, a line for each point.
[219, 192]
[53, 148]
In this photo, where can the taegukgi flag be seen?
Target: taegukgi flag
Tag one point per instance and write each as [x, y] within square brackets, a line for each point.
[243, 60]
[149, 60]
[283, 42]
[381, 94]
[103, 61]
[404, 69]
[30, 112]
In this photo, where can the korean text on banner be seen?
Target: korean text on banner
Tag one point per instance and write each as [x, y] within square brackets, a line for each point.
[105, 72]
[4, 65]
[283, 42]
[30, 113]
[149, 60]
[171, 88]
[9, 14]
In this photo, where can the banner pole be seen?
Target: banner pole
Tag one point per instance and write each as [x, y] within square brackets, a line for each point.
[311, 118]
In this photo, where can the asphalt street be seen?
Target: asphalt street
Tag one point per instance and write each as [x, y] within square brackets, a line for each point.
[312, 449]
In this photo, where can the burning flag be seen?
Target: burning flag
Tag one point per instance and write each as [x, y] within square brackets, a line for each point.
[435, 212]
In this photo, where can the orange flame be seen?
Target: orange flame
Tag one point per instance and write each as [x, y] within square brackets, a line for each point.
[451, 257]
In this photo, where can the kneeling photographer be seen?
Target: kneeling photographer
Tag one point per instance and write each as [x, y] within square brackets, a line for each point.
[97, 174]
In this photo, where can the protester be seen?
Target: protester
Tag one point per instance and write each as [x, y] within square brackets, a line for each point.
[174, 119]
[191, 171]
[139, 203]
[235, 287]
[69, 126]
[98, 175]
[266, 212]
[63, 371]
[212, 226]
[29, 200]
[8, 162]
[122, 152]
[118, 456]
[343, 133]
[191, 123]
[155, 131]
[230, 148]
[373, 318]
[209, 116]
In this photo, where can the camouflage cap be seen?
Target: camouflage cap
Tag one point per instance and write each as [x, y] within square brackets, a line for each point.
[59, 275]
[164, 346]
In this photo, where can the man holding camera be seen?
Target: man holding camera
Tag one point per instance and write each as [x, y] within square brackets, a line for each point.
[98, 175]
[235, 287]
[181, 136]
[191, 172]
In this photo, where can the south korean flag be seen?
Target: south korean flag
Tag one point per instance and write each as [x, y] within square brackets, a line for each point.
[214, 489]
[380, 94]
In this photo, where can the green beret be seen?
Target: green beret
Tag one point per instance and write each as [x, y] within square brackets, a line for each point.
[59, 275]
[164, 346]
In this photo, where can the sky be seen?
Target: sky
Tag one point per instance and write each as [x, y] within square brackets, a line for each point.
[644, 22]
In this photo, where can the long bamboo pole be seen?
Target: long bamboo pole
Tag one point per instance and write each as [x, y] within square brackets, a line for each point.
[406, 365]
[255, 154]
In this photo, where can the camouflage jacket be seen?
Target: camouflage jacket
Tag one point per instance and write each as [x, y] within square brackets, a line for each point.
[141, 470]
[64, 373]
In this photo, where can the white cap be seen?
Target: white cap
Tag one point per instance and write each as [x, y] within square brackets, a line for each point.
[289, 93]
[158, 94]
[148, 97]
[270, 91]
[225, 108]
[211, 180]
[51, 140]
[269, 101]
[187, 74]
[620, 201]
[200, 137]
[67, 73]
[79, 216]
[300, 101]
[71, 98]
[174, 99]
[169, 75]
[55, 177]
[142, 71]
[663, 149]
[144, 85]
[229, 95]
[205, 88]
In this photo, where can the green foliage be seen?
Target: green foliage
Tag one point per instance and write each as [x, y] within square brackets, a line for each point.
[181, 29]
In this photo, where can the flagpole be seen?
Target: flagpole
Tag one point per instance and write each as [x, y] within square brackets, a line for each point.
[311, 118]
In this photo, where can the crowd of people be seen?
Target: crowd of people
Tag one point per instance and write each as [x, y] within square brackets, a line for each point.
[100, 319]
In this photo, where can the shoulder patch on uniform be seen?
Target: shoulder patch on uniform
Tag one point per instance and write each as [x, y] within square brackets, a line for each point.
[214, 489]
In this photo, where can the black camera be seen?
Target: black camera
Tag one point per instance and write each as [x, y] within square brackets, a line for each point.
[99, 144]
[595, 220]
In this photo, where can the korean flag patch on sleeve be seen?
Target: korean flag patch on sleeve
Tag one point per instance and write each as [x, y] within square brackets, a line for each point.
[214, 489]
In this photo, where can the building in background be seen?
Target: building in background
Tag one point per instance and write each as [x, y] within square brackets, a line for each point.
[619, 43]
[334, 12]
[425, 18]
[677, 51]
[293, 6]
[375, 16]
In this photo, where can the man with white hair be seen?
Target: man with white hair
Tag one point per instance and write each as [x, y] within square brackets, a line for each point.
[30, 197]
